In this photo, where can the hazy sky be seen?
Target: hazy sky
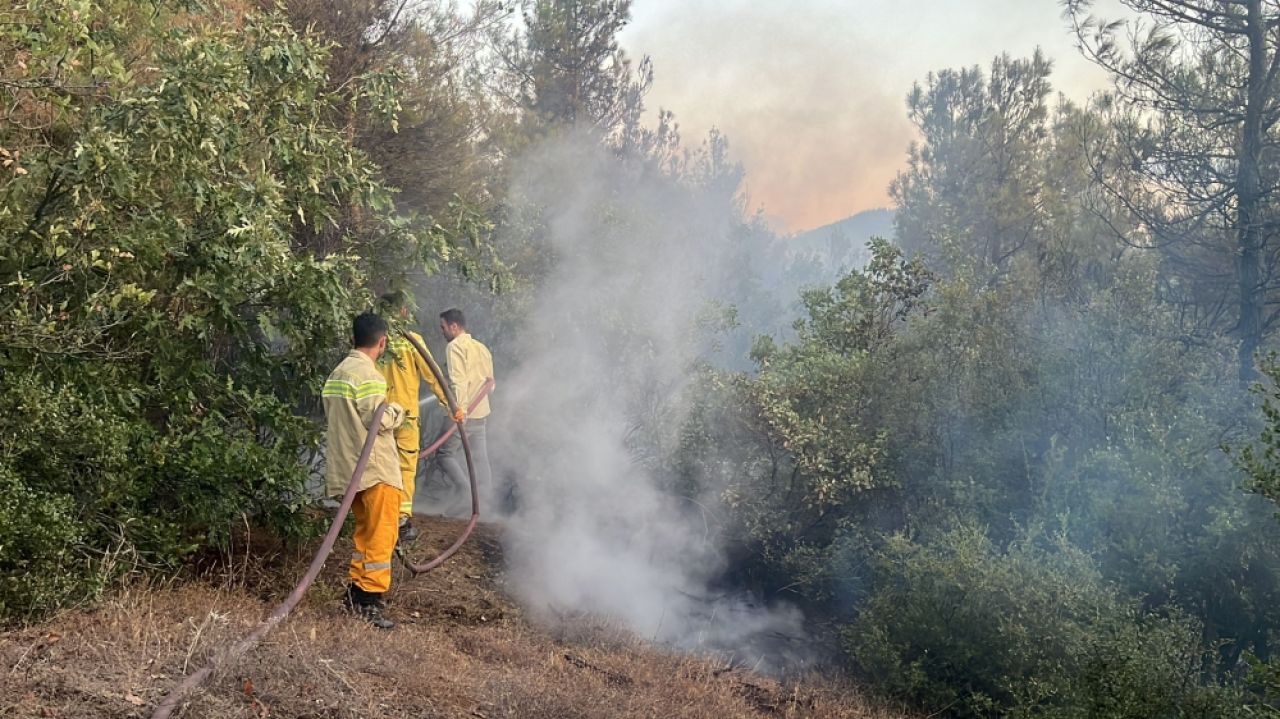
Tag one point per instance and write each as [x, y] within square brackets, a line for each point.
[811, 92]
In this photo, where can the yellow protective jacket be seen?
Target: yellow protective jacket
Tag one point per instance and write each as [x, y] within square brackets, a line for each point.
[470, 365]
[351, 395]
[405, 370]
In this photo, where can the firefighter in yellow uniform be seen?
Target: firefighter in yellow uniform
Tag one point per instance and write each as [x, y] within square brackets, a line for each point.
[405, 370]
[351, 395]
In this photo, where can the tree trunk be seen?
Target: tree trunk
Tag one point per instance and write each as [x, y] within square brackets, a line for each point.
[1249, 197]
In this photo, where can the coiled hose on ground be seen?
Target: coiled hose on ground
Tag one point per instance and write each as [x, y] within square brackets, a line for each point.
[171, 700]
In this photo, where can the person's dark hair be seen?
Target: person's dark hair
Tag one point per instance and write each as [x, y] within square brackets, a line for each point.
[454, 316]
[393, 302]
[367, 329]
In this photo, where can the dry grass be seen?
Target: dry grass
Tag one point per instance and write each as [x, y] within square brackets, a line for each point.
[462, 650]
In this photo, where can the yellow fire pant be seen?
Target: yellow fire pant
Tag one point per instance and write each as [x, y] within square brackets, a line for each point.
[408, 444]
[377, 528]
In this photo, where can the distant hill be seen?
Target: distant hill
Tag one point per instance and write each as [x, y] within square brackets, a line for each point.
[779, 269]
[843, 243]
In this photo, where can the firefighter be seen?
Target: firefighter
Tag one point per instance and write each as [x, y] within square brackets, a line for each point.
[405, 370]
[351, 395]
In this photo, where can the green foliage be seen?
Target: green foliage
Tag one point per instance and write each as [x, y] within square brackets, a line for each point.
[574, 71]
[424, 138]
[1264, 681]
[183, 239]
[1042, 380]
[40, 539]
[1260, 460]
[1191, 116]
[968, 194]
[819, 399]
[956, 624]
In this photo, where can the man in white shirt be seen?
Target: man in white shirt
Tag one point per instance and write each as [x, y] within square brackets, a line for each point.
[469, 366]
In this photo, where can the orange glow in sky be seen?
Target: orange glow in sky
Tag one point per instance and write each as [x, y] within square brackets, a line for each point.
[811, 93]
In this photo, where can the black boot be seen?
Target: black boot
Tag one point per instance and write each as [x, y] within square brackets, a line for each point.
[367, 606]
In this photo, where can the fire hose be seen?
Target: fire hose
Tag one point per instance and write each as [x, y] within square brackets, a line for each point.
[171, 700]
[487, 387]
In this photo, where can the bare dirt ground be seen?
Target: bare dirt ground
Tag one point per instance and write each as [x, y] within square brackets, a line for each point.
[462, 650]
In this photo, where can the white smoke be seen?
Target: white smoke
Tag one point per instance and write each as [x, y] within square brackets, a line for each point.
[587, 419]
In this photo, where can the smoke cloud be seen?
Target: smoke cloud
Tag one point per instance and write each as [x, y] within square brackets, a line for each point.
[586, 421]
[812, 91]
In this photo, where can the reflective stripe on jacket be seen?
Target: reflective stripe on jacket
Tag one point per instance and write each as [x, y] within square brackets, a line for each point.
[351, 395]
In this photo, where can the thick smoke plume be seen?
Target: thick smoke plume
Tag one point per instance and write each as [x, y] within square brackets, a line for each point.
[636, 266]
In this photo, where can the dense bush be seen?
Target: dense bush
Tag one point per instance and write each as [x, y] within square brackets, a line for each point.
[956, 623]
[1039, 367]
[163, 328]
[41, 562]
[960, 409]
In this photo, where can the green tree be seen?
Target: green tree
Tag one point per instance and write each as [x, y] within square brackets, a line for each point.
[429, 151]
[969, 195]
[802, 447]
[572, 71]
[961, 626]
[1196, 103]
[163, 331]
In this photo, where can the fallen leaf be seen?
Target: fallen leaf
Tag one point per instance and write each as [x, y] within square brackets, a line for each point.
[248, 687]
[135, 700]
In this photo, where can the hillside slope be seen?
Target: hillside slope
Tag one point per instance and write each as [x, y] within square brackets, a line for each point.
[462, 650]
[843, 243]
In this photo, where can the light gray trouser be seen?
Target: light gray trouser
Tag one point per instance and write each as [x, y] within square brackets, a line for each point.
[454, 462]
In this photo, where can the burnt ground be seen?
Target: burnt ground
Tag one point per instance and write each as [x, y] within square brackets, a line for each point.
[462, 649]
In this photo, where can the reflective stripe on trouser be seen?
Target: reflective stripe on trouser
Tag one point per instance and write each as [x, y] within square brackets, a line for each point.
[377, 513]
[408, 440]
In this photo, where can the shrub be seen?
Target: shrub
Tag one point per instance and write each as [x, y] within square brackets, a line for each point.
[955, 623]
[184, 236]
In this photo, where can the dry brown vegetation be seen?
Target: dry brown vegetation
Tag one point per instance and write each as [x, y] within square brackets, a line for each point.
[462, 650]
